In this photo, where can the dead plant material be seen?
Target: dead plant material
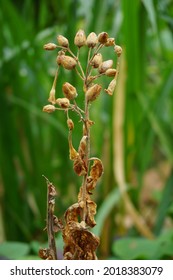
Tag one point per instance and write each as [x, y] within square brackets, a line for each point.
[79, 242]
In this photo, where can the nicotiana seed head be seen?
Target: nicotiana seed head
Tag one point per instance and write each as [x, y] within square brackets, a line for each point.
[92, 40]
[105, 65]
[69, 91]
[103, 37]
[80, 38]
[67, 62]
[93, 92]
[97, 60]
[118, 50]
[111, 87]
[63, 102]
[111, 72]
[62, 41]
[49, 108]
[50, 47]
[51, 98]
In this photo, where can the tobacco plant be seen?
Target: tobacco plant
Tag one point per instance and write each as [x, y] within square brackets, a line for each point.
[79, 242]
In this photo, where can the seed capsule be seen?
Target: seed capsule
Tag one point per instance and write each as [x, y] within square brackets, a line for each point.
[93, 92]
[52, 96]
[103, 37]
[111, 87]
[50, 47]
[105, 65]
[80, 38]
[111, 72]
[69, 91]
[97, 60]
[110, 42]
[67, 62]
[118, 50]
[92, 40]
[70, 124]
[63, 41]
[63, 102]
[49, 108]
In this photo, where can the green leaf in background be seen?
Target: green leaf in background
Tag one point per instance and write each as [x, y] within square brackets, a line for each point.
[14, 250]
[131, 248]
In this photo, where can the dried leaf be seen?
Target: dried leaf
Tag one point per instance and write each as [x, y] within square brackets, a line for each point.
[82, 146]
[73, 213]
[96, 169]
[91, 211]
[79, 166]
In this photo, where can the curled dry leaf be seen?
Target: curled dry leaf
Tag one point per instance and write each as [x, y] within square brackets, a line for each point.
[82, 146]
[79, 166]
[79, 242]
[73, 213]
[96, 169]
[91, 211]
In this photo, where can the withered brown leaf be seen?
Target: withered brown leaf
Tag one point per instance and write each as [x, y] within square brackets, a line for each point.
[79, 166]
[91, 211]
[96, 169]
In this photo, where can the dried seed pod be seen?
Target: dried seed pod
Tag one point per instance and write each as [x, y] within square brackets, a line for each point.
[110, 42]
[111, 87]
[70, 124]
[92, 40]
[80, 38]
[97, 60]
[67, 62]
[82, 146]
[63, 41]
[103, 37]
[111, 72]
[118, 50]
[63, 102]
[51, 98]
[105, 65]
[50, 47]
[58, 59]
[49, 108]
[93, 92]
[69, 91]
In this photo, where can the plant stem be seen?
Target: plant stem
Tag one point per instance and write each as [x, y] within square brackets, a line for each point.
[51, 193]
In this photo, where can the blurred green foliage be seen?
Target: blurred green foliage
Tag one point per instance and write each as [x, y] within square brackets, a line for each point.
[33, 143]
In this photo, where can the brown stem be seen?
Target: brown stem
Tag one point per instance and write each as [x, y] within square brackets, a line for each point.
[51, 193]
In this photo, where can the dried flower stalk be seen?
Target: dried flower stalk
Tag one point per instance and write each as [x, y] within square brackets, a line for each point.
[79, 242]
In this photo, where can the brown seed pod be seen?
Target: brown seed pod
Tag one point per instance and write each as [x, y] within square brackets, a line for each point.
[110, 42]
[51, 98]
[70, 124]
[97, 60]
[69, 91]
[92, 40]
[49, 108]
[111, 87]
[63, 102]
[103, 37]
[118, 50]
[80, 38]
[50, 47]
[67, 62]
[63, 41]
[93, 92]
[105, 65]
[111, 72]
